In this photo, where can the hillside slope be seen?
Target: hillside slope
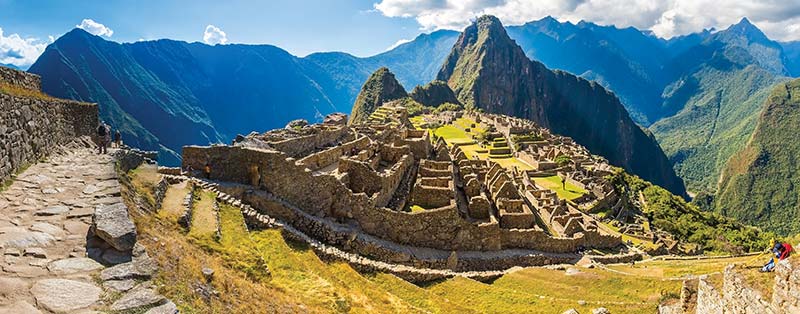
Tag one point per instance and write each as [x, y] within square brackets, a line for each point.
[761, 183]
[487, 70]
[379, 88]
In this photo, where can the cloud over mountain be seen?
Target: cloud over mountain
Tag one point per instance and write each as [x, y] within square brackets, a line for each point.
[667, 18]
[95, 28]
[214, 35]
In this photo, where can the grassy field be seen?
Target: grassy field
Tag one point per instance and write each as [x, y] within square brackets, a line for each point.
[453, 134]
[554, 183]
[260, 271]
[172, 205]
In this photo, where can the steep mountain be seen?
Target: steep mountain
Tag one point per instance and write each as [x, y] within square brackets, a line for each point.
[717, 101]
[626, 61]
[761, 183]
[433, 94]
[379, 88]
[488, 70]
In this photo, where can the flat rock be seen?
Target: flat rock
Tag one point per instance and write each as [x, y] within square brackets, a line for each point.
[80, 212]
[166, 308]
[25, 271]
[120, 285]
[12, 285]
[63, 295]
[108, 200]
[77, 227]
[73, 265]
[20, 307]
[141, 268]
[91, 189]
[47, 228]
[113, 224]
[36, 252]
[26, 239]
[53, 210]
[138, 299]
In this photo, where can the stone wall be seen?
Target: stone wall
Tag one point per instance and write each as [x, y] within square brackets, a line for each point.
[20, 78]
[329, 156]
[32, 128]
[735, 295]
[304, 145]
[326, 196]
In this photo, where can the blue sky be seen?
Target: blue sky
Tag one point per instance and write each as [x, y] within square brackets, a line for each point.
[359, 27]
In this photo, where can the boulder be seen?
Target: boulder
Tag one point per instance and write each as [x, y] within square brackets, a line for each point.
[138, 299]
[113, 224]
[63, 295]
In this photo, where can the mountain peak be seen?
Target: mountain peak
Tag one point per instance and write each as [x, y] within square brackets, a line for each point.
[380, 87]
[747, 29]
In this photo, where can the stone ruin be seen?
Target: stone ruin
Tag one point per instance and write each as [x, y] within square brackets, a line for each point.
[384, 190]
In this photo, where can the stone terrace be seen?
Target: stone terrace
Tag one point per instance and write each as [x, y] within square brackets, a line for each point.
[390, 185]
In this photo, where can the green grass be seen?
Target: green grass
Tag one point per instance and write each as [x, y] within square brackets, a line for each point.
[204, 221]
[554, 183]
[453, 135]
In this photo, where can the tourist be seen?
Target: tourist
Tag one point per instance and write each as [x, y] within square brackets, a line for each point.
[118, 139]
[781, 251]
[104, 137]
[207, 170]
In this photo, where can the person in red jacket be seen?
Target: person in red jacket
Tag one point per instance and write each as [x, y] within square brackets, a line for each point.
[782, 252]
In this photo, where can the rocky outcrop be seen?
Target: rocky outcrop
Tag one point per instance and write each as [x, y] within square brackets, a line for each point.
[381, 87]
[34, 125]
[488, 70]
[434, 94]
[113, 224]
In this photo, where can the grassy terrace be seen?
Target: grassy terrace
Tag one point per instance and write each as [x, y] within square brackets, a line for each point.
[567, 191]
[455, 133]
[204, 221]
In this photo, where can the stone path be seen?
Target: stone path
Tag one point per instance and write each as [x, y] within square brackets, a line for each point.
[44, 221]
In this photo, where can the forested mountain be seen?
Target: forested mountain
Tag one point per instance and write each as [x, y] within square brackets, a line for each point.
[760, 185]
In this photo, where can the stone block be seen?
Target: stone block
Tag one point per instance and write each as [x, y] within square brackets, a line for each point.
[113, 224]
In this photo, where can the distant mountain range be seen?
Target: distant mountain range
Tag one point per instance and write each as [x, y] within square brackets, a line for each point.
[698, 94]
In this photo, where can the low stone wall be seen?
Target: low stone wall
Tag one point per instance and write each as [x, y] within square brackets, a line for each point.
[329, 156]
[32, 128]
[20, 78]
[736, 296]
[301, 146]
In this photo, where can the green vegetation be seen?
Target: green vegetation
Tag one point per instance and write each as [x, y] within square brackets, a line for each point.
[720, 109]
[562, 160]
[566, 191]
[447, 107]
[761, 183]
[381, 87]
[18, 91]
[434, 94]
[204, 217]
[712, 231]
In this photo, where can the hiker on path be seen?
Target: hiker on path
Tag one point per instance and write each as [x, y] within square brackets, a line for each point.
[104, 136]
[781, 251]
[118, 139]
[207, 170]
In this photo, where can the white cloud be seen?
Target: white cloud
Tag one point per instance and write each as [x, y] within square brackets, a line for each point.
[779, 19]
[21, 52]
[95, 28]
[213, 35]
[398, 43]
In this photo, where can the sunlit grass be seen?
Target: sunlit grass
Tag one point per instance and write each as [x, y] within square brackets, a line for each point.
[566, 191]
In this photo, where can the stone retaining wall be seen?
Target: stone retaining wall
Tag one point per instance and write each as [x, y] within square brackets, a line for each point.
[32, 128]
[20, 78]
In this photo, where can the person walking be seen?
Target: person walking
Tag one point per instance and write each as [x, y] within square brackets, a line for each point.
[104, 137]
[117, 139]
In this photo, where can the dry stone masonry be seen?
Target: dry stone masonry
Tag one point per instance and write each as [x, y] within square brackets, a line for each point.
[385, 190]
